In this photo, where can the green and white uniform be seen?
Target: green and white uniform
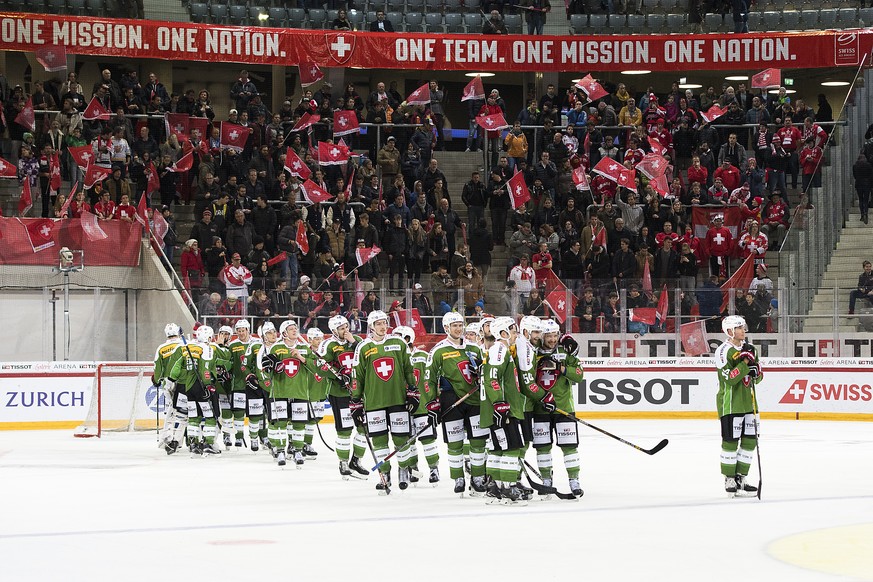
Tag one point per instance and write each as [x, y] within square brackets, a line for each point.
[735, 405]
[175, 412]
[381, 374]
[420, 418]
[256, 400]
[224, 390]
[341, 355]
[194, 372]
[240, 368]
[289, 390]
[450, 372]
[499, 387]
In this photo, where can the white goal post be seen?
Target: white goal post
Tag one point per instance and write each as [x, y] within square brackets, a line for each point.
[122, 400]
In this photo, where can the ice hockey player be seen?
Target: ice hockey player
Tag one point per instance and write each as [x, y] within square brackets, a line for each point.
[224, 383]
[383, 391]
[239, 369]
[450, 371]
[175, 401]
[426, 417]
[524, 351]
[195, 373]
[471, 332]
[257, 385]
[738, 372]
[556, 371]
[339, 352]
[318, 390]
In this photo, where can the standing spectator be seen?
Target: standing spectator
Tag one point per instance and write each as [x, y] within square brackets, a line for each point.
[438, 247]
[450, 222]
[521, 244]
[719, 247]
[417, 254]
[481, 245]
[811, 161]
[523, 276]
[499, 200]
[437, 96]
[516, 145]
[396, 246]
[865, 287]
[687, 268]
[388, 159]
[471, 281]
[239, 234]
[862, 172]
[475, 197]
[242, 91]
[192, 267]
[492, 136]
[535, 14]
[237, 278]
[442, 285]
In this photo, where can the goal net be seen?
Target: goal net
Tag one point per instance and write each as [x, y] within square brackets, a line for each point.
[122, 400]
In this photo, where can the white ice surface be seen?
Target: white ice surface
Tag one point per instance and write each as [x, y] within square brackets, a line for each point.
[119, 509]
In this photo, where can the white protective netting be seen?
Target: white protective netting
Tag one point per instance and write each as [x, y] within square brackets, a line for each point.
[123, 400]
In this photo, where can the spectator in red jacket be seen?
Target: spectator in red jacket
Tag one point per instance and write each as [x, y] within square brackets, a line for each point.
[775, 220]
[697, 172]
[791, 142]
[729, 174]
[719, 245]
[753, 242]
[811, 162]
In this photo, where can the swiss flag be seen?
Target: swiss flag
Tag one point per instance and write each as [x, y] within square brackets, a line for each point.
[473, 90]
[330, 154]
[518, 190]
[154, 181]
[234, 136]
[39, 233]
[580, 178]
[365, 254]
[660, 185]
[592, 88]
[95, 111]
[345, 122]
[26, 117]
[767, 78]
[701, 218]
[652, 165]
[694, 338]
[608, 168]
[69, 200]
[663, 305]
[414, 321]
[313, 193]
[82, 155]
[741, 279]
[94, 174]
[309, 74]
[26, 200]
[557, 301]
[8, 170]
[142, 212]
[306, 120]
[713, 113]
[647, 279]
[270, 262]
[178, 124]
[643, 315]
[302, 239]
[202, 125]
[161, 226]
[91, 227]
[183, 164]
[628, 179]
[295, 165]
[420, 96]
[53, 58]
[656, 145]
[55, 172]
[492, 122]
[600, 237]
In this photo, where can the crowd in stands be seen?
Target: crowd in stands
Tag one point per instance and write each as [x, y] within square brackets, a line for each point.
[594, 235]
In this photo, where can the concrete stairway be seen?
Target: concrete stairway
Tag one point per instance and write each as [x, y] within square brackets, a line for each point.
[852, 249]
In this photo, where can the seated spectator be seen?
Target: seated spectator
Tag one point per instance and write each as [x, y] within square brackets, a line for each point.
[534, 305]
[260, 304]
[209, 305]
[775, 220]
[751, 311]
[761, 278]
[231, 309]
[636, 300]
[865, 287]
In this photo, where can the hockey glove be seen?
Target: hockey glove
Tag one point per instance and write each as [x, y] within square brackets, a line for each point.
[413, 399]
[156, 384]
[568, 343]
[269, 361]
[501, 413]
[210, 390]
[433, 411]
[548, 402]
[356, 407]
[252, 382]
[754, 370]
[222, 374]
[279, 367]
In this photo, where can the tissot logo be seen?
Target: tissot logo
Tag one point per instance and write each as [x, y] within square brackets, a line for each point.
[630, 391]
[800, 390]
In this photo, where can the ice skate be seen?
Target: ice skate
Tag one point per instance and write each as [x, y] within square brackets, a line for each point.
[357, 470]
[526, 493]
[308, 451]
[513, 495]
[171, 447]
[255, 445]
[196, 450]
[744, 488]
[403, 478]
[460, 486]
[238, 443]
[544, 495]
[730, 485]
[434, 476]
[280, 458]
[210, 449]
[492, 493]
[344, 470]
[414, 475]
[575, 488]
[227, 442]
[384, 484]
[298, 458]
[477, 487]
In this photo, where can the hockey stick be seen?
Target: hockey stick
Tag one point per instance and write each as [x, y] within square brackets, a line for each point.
[542, 487]
[757, 438]
[382, 478]
[318, 427]
[651, 451]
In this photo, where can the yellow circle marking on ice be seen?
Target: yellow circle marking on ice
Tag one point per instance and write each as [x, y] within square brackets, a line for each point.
[845, 550]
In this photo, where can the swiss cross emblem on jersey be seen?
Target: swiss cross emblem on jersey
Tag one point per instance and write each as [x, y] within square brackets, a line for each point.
[346, 359]
[291, 367]
[464, 367]
[384, 368]
[340, 46]
[546, 378]
[417, 373]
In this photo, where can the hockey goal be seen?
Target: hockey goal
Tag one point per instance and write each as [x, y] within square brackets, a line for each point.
[122, 400]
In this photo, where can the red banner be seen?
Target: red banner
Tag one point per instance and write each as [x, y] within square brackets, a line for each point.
[120, 248]
[136, 39]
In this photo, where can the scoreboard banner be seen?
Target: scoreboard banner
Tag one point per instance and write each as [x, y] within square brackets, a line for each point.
[439, 52]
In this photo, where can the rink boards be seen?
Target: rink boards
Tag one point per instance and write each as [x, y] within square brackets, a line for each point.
[41, 395]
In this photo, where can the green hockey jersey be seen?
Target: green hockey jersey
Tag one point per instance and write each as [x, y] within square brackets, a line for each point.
[381, 373]
[734, 383]
[197, 361]
[419, 359]
[341, 356]
[240, 366]
[451, 363]
[165, 356]
[558, 380]
[499, 384]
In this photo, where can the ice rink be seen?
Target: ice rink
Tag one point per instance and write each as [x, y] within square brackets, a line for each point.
[117, 508]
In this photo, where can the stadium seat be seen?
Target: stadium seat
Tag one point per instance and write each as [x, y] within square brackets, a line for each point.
[199, 12]
[316, 17]
[394, 5]
[848, 18]
[396, 19]
[413, 21]
[597, 23]
[827, 18]
[237, 14]
[756, 21]
[95, 7]
[453, 6]
[434, 22]
[636, 23]
[513, 23]
[56, 6]
[790, 20]
[675, 23]
[714, 22]
[415, 5]
[473, 5]
[454, 22]
[296, 18]
[671, 7]
[255, 16]
[578, 23]
[278, 16]
[357, 18]
[655, 23]
[473, 22]
[218, 12]
[809, 19]
[865, 15]
[772, 20]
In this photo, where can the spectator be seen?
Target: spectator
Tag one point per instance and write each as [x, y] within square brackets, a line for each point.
[535, 14]
[280, 298]
[811, 162]
[381, 24]
[210, 304]
[493, 136]
[237, 278]
[438, 246]
[231, 310]
[396, 246]
[442, 285]
[239, 234]
[370, 303]
[494, 24]
[516, 145]
[636, 300]
[341, 22]
[865, 287]
[417, 256]
[243, 90]
[687, 268]
[775, 220]
[523, 276]
[470, 280]
[753, 242]
[709, 298]
[500, 202]
[752, 312]
[862, 172]
[192, 266]
[719, 246]
[260, 304]
[761, 278]
[389, 160]
[534, 304]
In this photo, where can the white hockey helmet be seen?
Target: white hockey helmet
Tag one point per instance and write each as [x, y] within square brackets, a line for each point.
[225, 329]
[376, 315]
[286, 324]
[452, 317]
[267, 327]
[336, 322]
[501, 324]
[549, 326]
[485, 321]
[475, 327]
[314, 333]
[406, 333]
[172, 330]
[204, 334]
[529, 323]
[242, 324]
[731, 322]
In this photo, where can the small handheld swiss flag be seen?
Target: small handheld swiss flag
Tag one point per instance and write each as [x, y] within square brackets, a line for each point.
[518, 190]
[95, 111]
[557, 300]
[154, 181]
[53, 57]
[473, 90]
[55, 172]
[420, 96]
[178, 124]
[306, 120]
[767, 78]
[69, 200]
[713, 113]
[345, 122]
[234, 136]
[39, 233]
[183, 164]
[26, 117]
[309, 74]
[313, 193]
[608, 168]
[295, 165]
[82, 155]
[592, 88]
[580, 178]
[366, 254]
[492, 122]
[26, 200]
[652, 165]
[7, 169]
[142, 212]
[94, 174]
[302, 239]
[331, 154]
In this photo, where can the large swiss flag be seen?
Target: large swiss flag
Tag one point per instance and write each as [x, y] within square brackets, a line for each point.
[331, 154]
[314, 193]
[309, 74]
[295, 165]
[345, 122]
[82, 155]
[518, 190]
[608, 168]
[420, 96]
[26, 117]
[95, 111]
[234, 136]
